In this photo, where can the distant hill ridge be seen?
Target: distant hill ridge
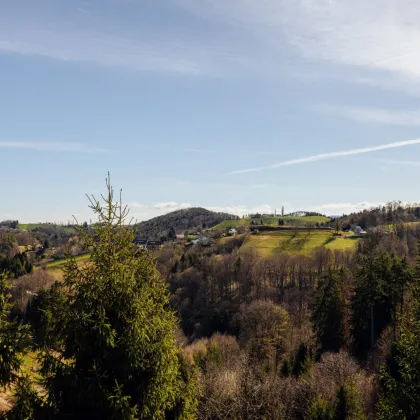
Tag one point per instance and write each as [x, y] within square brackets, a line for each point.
[180, 220]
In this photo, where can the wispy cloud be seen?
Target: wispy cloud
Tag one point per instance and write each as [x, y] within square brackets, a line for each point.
[381, 116]
[400, 162]
[330, 155]
[338, 208]
[241, 210]
[135, 204]
[99, 48]
[380, 38]
[171, 206]
[51, 147]
[376, 36]
[199, 151]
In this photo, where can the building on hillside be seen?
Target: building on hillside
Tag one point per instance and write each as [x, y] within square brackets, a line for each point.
[154, 244]
[145, 245]
[201, 240]
[358, 231]
[141, 244]
[232, 232]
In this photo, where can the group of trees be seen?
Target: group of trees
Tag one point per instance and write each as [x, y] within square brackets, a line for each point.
[332, 335]
[354, 305]
[11, 260]
[180, 221]
[390, 213]
[105, 337]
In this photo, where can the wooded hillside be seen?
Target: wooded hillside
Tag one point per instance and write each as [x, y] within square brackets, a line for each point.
[180, 220]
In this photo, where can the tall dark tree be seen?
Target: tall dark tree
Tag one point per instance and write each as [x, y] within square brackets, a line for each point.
[116, 355]
[347, 406]
[372, 303]
[327, 316]
[400, 376]
[14, 337]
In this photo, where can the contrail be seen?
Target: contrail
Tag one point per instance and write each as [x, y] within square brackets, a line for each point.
[330, 155]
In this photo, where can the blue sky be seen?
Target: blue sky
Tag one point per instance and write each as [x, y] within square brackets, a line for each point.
[236, 105]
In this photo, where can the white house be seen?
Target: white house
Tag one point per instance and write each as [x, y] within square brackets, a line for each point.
[358, 231]
[202, 240]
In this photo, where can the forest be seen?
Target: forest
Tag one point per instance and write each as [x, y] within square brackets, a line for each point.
[209, 332]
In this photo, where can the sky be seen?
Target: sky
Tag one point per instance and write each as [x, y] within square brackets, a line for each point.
[233, 105]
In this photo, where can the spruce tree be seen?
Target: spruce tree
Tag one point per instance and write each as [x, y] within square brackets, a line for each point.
[13, 337]
[372, 303]
[400, 376]
[116, 355]
[328, 314]
[347, 406]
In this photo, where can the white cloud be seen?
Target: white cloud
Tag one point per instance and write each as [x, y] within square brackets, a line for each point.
[382, 36]
[51, 147]
[135, 204]
[382, 116]
[338, 208]
[99, 48]
[400, 162]
[330, 155]
[240, 210]
[169, 206]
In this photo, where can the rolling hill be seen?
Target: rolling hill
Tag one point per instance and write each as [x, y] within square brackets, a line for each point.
[272, 221]
[302, 242]
[181, 221]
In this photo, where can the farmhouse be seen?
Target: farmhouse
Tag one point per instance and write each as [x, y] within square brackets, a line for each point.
[144, 244]
[201, 240]
[358, 231]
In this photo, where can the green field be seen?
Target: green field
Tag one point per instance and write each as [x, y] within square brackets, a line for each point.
[30, 226]
[55, 268]
[272, 221]
[291, 242]
[227, 224]
[59, 263]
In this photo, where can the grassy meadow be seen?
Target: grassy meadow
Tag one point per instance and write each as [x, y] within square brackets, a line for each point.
[266, 244]
[272, 221]
[55, 268]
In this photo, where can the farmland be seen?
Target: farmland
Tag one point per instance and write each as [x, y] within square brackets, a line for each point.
[56, 268]
[295, 242]
[272, 221]
[27, 227]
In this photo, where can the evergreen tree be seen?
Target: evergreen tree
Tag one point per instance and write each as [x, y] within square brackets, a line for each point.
[347, 406]
[372, 303]
[116, 355]
[400, 377]
[328, 314]
[401, 280]
[41, 310]
[302, 361]
[13, 337]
